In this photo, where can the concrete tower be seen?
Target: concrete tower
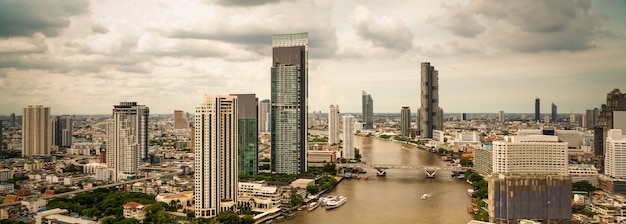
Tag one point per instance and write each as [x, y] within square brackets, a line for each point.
[348, 136]
[405, 120]
[368, 110]
[431, 115]
[36, 131]
[333, 124]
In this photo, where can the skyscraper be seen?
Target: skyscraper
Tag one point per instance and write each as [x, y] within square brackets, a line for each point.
[13, 119]
[264, 113]
[501, 116]
[289, 91]
[537, 110]
[248, 133]
[367, 104]
[138, 116]
[216, 165]
[180, 120]
[122, 149]
[333, 124]
[36, 131]
[62, 131]
[348, 136]
[431, 114]
[614, 164]
[405, 120]
[590, 119]
[615, 101]
[553, 120]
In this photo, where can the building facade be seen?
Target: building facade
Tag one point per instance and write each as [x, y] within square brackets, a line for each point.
[36, 131]
[537, 110]
[289, 110]
[348, 137]
[530, 155]
[615, 156]
[62, 131]
[216, 160]
[264, 115]
[501, 116]
[180, 120]
[333, 124]
[405, 121]
[122, 148]
[431, 115]
[248, 133]
[553, 118]
[615, 101]
[138, 116]
[367, 104]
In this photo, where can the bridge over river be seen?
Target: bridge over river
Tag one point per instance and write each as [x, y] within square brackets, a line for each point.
[430, 170]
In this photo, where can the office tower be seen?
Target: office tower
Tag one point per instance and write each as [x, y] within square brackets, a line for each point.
[615, 101]
[13, 120]
[122, 149]
[289, 92]
[180, 121]
[367, 104]
[248, 133]
[405, 120]
[348, 136]
[619, 120]
[537, 110]
[36, 131]
[463, 116]
[264, 112]
[431, 115]
[553, 118]
[590, 119]
[216, 165]
[62, 131]
[614, 164]
[501, 116]
[530, 170]
[333, 124]
[138, 116]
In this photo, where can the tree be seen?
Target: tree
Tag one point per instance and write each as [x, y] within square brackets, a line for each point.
[191, 214]
[227, 217]
[465, 162]
[295, 200]
[313, 189]
[329, 168]
[264, 167]
[247, 220]
[583, 186]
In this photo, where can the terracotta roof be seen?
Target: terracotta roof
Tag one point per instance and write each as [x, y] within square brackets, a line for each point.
[132, 204]
[23, 192]
[49, 192]
[11, 198]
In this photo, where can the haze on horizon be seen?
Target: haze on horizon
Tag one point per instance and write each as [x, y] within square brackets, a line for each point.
[82, 57]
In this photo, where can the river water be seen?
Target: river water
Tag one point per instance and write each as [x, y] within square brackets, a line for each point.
[395, 198]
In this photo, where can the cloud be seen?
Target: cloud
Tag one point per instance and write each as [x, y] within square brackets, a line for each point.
[27, 17]
[463, 24]
[386, 32]
[98, 28]
[244, 2]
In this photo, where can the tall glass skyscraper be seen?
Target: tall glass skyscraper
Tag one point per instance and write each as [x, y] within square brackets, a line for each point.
[537, 110]
[289, 103]
[62, 131]
[368, 110]
[405, 120]
[248, 135]
[553, 112]
[430, 114]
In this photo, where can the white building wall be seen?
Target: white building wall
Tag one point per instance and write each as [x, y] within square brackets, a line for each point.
[333, 124]
[615, 155]
[542, 155]
[348, 137]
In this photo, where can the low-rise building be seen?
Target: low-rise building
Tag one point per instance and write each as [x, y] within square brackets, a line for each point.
[6, 174]
[258, 196]
[583, 172]
[185, 198]
[134, 210]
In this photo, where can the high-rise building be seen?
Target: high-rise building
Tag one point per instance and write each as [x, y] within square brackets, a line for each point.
[289, 92]
[13, 120]
[614, 163]
[553, 118]
[619, 120]
[36, 131]
[180, 120]
[348, 136]
[333, 124]
[537, 110]
[62, 131]
[572, 118]
[501, 116]
[216, 166]
[138, 116]
[615, 101]
[264, 115]
[367, 104]
[122, 149]
[248, 133]
[537, 155]
[431, 115]
[590, 119]
[405, 120]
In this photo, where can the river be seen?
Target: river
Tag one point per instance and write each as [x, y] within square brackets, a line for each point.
[395, 198]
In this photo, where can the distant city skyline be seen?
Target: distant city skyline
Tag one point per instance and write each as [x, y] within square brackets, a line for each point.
[80, 57]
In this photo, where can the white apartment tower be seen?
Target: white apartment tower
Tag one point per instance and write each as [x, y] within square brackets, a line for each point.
[36, 131]
[348, 136]
[123, 157]
[615, 156]
[216, 161]
[530, 155]
[333, 124]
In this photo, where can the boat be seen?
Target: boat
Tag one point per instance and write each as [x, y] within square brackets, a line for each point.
[335, 203]
[324, 200]
[470, 192]
[424, 196]
[366, 177]
[381, 173]
[313, 205]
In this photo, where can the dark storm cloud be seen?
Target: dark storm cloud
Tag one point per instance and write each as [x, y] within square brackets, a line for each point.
[27, 17]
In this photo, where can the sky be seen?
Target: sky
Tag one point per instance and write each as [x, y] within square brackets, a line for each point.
[83, 57]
